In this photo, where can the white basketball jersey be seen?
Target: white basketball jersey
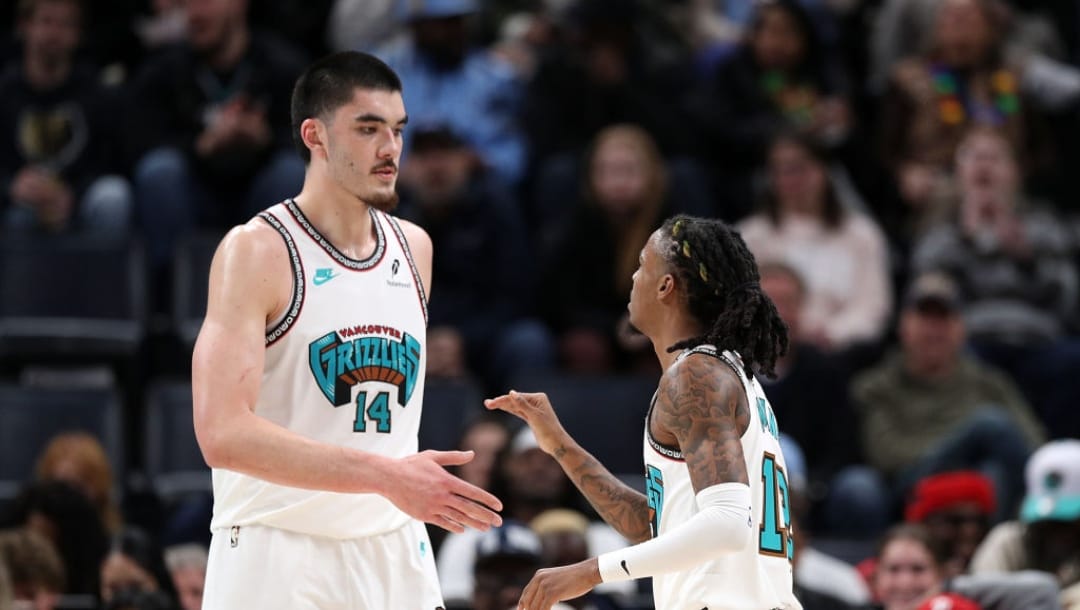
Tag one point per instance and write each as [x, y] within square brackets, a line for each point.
[759, 577]
[345, 366]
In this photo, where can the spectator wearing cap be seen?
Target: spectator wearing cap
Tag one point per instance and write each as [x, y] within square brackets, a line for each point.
[477, 320]
[446, 80]
[1013, 261]
[1047, 535]
[564, 537]
[506, 558]
[362, 24]
[956, 508]
[930, 408]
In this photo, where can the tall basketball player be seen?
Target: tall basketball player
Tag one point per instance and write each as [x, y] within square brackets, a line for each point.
[714, 528]
[308, 375]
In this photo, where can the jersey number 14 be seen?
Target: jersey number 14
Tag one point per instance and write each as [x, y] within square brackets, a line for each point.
[378, 412]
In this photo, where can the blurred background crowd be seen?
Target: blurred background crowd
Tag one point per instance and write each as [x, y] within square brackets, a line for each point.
[901, 169]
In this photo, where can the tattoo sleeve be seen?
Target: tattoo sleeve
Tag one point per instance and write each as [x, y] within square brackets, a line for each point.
[623, 508]
[702, 403]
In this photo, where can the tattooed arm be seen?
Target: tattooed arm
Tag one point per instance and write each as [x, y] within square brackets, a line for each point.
[623, 508]
[702, 408]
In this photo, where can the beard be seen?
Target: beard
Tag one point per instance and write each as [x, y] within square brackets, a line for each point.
[383, 202]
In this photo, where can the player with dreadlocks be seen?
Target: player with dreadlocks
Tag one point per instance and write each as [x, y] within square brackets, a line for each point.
[713, 528]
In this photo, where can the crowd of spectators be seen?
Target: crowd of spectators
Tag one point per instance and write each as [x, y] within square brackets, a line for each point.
[901, 170]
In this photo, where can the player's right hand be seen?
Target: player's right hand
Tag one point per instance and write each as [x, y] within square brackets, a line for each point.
[538, 413]
[422, 488]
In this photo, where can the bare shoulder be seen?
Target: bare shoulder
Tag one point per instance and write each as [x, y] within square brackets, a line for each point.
[252, 241]
[702, 406]
[251, 263]
[700, 389]
[418, 238]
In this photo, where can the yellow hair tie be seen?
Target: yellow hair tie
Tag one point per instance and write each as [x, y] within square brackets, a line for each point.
[701, 271]
[686, 249]
[676, 228]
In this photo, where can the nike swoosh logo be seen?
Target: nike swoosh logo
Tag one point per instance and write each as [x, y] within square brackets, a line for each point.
[624, 568]
[319, 280]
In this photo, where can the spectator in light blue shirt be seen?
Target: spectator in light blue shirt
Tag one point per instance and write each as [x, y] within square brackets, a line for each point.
[445, 80]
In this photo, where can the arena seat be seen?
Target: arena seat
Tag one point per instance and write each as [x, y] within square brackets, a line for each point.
[449, 405]
[191, 272]
[31, 416]
[70, 298]
[171, 455]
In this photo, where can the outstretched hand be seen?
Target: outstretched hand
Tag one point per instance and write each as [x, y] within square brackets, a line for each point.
[421, 487]
[537, 412]
[552, 585]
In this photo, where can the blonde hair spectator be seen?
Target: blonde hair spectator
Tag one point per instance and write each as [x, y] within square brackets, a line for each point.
[34, 569]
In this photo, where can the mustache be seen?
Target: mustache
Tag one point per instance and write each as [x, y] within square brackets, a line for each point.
[388, 164]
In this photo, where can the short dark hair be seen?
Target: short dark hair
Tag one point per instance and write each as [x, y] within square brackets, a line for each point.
[723, 291]
[329, 83]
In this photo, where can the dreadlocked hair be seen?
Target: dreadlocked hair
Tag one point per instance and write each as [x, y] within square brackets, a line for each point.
[723, 292]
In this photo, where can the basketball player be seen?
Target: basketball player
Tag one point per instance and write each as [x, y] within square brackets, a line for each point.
[308, 375]
[714, 528]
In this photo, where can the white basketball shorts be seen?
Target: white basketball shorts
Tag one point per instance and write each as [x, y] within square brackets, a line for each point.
[267, 568]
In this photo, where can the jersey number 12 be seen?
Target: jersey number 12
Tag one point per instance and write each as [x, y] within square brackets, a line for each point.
[775, 538]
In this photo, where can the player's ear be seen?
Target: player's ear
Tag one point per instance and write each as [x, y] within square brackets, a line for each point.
[666, 286]
[313, 133]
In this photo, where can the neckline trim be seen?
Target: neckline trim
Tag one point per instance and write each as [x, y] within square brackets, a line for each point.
[349, 263]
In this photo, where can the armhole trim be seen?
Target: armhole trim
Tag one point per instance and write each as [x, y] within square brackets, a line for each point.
[292, 313]
[670, 453]
[400, 235]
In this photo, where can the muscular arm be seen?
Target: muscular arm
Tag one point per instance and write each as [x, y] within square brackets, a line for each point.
[702, 405]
